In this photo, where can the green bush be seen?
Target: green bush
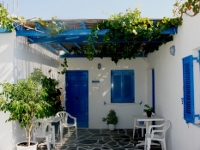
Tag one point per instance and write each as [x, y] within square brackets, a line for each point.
[111, 117]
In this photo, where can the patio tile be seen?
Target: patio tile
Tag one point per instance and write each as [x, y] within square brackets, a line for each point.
[100, 139]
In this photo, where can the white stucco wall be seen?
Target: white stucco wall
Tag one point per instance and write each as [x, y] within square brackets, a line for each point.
[169, 84]
[6, 73]
[97, 109]
[17, 61]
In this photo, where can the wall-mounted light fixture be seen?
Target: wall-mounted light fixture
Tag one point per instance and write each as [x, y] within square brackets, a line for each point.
[99, 66]
[172, 50]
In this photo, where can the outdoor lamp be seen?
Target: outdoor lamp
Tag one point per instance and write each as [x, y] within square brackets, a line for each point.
[99, 66]
[172, 50]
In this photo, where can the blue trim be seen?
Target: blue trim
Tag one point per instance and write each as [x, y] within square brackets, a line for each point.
[81, 39]
[75, 32]
[75, 44]
[153, 89]
[61, 47]
[39, 27]
[83, 25]
[2, 30]
[71, 32]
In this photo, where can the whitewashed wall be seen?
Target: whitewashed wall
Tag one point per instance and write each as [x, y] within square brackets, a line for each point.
[97, 109]
[169, 84]
[6, 73]
[17, 61]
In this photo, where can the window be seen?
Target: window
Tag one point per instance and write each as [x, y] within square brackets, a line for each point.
[122, 86]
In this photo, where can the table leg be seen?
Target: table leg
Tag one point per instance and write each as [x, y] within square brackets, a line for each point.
[134, 124]
[143, 143]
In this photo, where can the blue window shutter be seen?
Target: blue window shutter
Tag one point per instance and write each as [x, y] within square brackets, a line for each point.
[116, 86]
[122, 86]
[188, 89]
[128, 92]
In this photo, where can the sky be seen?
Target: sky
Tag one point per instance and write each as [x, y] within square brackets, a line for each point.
[87, 9]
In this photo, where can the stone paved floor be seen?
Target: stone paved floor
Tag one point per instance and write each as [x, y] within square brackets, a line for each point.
[100, 139]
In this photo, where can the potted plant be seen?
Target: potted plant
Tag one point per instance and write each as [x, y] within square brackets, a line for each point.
[148, 110]
[25, 101]
[111, 119]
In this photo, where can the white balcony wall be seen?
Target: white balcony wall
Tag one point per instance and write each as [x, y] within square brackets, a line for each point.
[169, 84]
[17, 61]
[6, 73]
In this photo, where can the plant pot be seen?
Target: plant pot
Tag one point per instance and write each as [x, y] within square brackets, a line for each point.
[111, 127]
[33, 146]
[149, 113]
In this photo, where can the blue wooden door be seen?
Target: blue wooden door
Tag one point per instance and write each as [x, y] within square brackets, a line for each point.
[77, 96]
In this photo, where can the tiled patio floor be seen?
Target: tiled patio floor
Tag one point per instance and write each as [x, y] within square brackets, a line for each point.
[100, 139]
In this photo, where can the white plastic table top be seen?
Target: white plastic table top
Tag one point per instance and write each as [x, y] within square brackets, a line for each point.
[145, 118]
[54, 119]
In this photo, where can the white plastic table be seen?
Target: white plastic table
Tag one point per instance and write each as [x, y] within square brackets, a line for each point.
[55, 119]
[148, 121]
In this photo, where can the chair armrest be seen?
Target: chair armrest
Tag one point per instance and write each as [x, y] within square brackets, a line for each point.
[154, 126]
[156, 131]
[71, 116]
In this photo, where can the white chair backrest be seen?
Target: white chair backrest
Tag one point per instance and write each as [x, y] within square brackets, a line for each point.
[64, 115]
[41, 127]
[165, 127]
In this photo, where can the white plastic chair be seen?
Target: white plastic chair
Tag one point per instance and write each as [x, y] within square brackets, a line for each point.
[140, 125]
[64, 124]
[43, 129]
[157, 133]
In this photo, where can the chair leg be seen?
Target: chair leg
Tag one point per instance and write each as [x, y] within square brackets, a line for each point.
[142, 132]
[76, 131]
[53, 140]
[61, 133]
[133, 132]
[164, 145]
[145, 144]
[148, 143]
[53, 136]
[68, 131]
[48, 142]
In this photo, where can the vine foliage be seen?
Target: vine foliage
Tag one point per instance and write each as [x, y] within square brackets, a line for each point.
[6, 20]
[188, 7]
[128, 36]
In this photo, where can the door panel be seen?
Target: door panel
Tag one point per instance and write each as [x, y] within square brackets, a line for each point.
[77, 96]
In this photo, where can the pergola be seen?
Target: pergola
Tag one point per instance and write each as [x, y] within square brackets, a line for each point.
[76, 35]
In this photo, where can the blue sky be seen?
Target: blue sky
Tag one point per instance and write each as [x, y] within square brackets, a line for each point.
[89, 9]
